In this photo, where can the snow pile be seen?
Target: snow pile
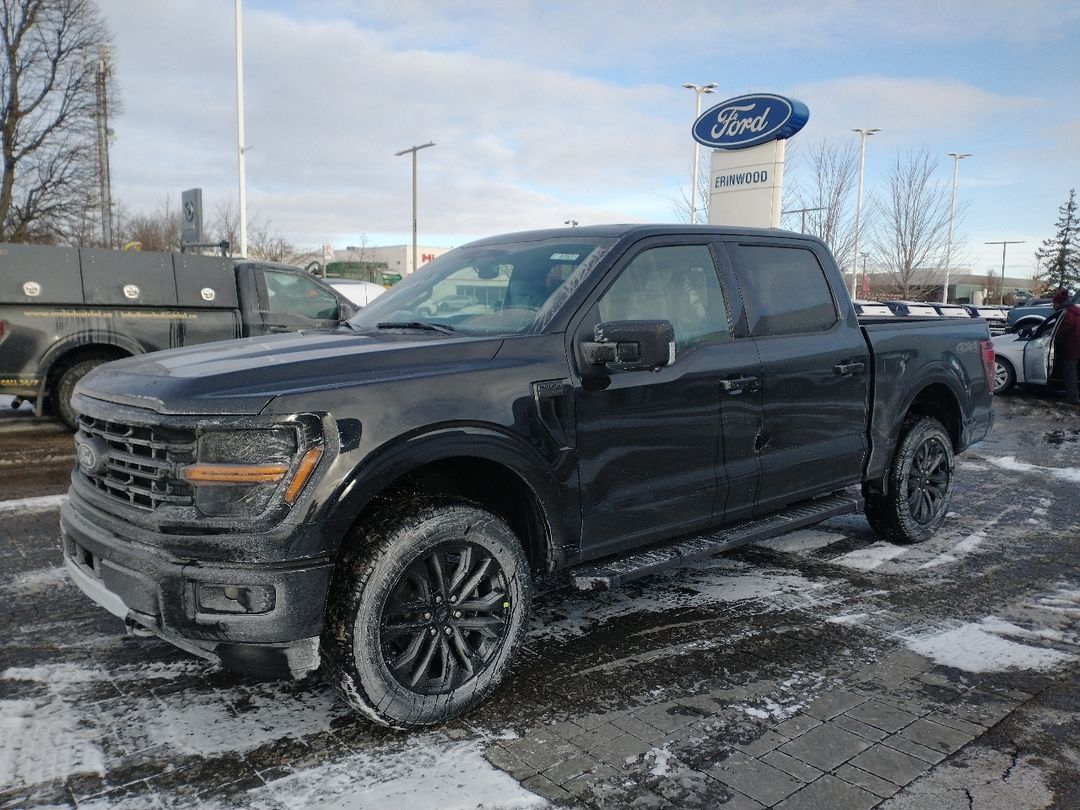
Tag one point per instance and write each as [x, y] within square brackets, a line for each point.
[871, 557]
[801, 541]
[423, 771]
[989, 645]
[1070, 474]
[32, 504]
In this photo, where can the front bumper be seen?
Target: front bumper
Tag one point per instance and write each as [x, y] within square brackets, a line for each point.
[148, 587]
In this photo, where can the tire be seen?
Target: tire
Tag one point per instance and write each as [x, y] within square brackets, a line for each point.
[65, 387]
[919, 484]
[400, 644]
[1004, 375]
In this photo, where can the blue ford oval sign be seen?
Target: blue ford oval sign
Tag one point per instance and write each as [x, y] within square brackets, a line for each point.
[750, 120]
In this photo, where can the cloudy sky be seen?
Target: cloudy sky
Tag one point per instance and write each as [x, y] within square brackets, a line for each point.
[547, 111]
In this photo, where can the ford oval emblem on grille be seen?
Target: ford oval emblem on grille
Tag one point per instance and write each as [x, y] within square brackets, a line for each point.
[91, 454]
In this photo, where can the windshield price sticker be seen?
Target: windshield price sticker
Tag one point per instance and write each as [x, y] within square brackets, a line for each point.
[565, 257]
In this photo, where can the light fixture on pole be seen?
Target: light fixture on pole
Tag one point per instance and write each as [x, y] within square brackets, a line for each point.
[957, 157]
[863, 135]
[240, 147]
[413, 150]
[573, 223]
[699, 91]
[1004, 246]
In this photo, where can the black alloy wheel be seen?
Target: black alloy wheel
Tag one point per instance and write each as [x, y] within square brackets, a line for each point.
[427, 607]
[928, 480]
[445, 618]
[918, 487]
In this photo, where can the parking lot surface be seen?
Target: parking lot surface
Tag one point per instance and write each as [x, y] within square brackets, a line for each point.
[821, 669]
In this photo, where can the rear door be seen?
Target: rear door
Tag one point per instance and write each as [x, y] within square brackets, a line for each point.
[650, 442]
[815, 369]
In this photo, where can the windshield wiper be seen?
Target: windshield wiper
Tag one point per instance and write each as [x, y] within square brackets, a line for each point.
[431, 327]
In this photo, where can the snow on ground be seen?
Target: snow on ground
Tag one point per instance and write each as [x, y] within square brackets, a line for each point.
[33, 582]
[392, 777]
[56, 735]
[27, 505]
[989, 645]
[871, 557]
[1070, 474]
[801, 541]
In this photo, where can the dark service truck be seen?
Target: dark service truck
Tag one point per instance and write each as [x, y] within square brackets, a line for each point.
[65, 311]
[611, 400]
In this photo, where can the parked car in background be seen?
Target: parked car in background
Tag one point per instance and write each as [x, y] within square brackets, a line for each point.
[360, 293]
[951, 311]
[872, 308]
[996, 317]
[1033, 313]
[1027, 357]
[916, 309]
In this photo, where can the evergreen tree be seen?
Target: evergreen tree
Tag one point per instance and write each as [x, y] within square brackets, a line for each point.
[1059, 256]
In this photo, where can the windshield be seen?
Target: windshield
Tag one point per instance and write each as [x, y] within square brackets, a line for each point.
[488, 289]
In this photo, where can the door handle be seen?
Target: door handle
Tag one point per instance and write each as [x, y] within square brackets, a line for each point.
[736, 385]
[844, 369]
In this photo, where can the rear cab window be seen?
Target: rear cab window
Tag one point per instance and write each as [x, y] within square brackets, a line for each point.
[786, 289]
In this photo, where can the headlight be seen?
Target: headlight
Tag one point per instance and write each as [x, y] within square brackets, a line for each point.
[239, 471]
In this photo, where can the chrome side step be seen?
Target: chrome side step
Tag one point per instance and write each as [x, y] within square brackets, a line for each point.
[611, 572]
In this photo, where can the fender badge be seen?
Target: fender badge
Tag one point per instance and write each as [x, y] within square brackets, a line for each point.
[131, 291]
[207, 293]
[31, 289]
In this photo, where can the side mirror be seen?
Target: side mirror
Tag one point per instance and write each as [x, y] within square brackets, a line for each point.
[346, 309]
[631, 345]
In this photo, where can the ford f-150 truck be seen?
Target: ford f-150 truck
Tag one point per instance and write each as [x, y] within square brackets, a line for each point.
[65, 311]
[613, 401]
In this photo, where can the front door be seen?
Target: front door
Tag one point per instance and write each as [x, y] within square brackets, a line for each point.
[650, 442]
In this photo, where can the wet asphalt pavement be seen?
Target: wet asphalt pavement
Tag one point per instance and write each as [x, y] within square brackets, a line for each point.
[823, 669]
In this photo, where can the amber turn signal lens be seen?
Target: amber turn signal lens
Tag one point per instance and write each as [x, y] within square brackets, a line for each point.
[303, 473]
[233, 473]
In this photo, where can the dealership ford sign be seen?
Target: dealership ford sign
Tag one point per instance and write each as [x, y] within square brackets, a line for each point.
[750, 120]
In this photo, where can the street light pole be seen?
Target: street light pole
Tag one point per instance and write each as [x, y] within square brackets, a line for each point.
[863, 135]
[957, 157]
[240, 147]
[865, 256]
[1004, 245]
[699, 91]
[413, 150]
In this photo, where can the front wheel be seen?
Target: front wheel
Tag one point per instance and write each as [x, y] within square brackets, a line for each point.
[919, 484]
[425, 613]
[1004, 375]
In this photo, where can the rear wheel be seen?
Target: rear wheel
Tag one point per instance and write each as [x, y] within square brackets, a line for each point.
[425, 613]
[919, 484]
[1004, 375]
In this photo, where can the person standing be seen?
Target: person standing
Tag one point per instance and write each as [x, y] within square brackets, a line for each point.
[1067, 343]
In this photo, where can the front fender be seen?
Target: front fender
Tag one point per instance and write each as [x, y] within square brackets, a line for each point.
[553, 486]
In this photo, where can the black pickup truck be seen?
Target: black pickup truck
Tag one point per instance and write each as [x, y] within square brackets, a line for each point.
[64, 311]
[610, 400]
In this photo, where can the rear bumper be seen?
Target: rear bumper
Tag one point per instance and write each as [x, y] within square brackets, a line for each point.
[277, 638]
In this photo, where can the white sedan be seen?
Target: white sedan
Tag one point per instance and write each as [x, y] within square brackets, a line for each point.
[1026, 356]
[360, 293]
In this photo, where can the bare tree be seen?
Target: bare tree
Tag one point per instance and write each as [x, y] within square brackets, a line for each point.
[47, 134]
[828, 187]
[226, 227]
[269, 245]
[159, 230]
[681, 206]
[911, 232]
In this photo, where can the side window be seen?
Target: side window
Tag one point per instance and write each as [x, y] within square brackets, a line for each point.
[294, 294]
[786, 288]
[676, 283]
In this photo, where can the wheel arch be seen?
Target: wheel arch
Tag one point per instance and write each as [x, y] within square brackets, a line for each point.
[66, 353]
[494, 470]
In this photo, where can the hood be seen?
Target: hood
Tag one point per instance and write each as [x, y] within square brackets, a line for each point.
[242, 376]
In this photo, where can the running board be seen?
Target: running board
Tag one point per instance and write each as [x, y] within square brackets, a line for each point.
[612, 572]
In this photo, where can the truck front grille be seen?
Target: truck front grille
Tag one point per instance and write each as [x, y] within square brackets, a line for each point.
[138, 463]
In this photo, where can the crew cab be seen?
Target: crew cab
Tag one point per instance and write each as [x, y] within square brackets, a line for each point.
[613, 401]
[65, 311]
